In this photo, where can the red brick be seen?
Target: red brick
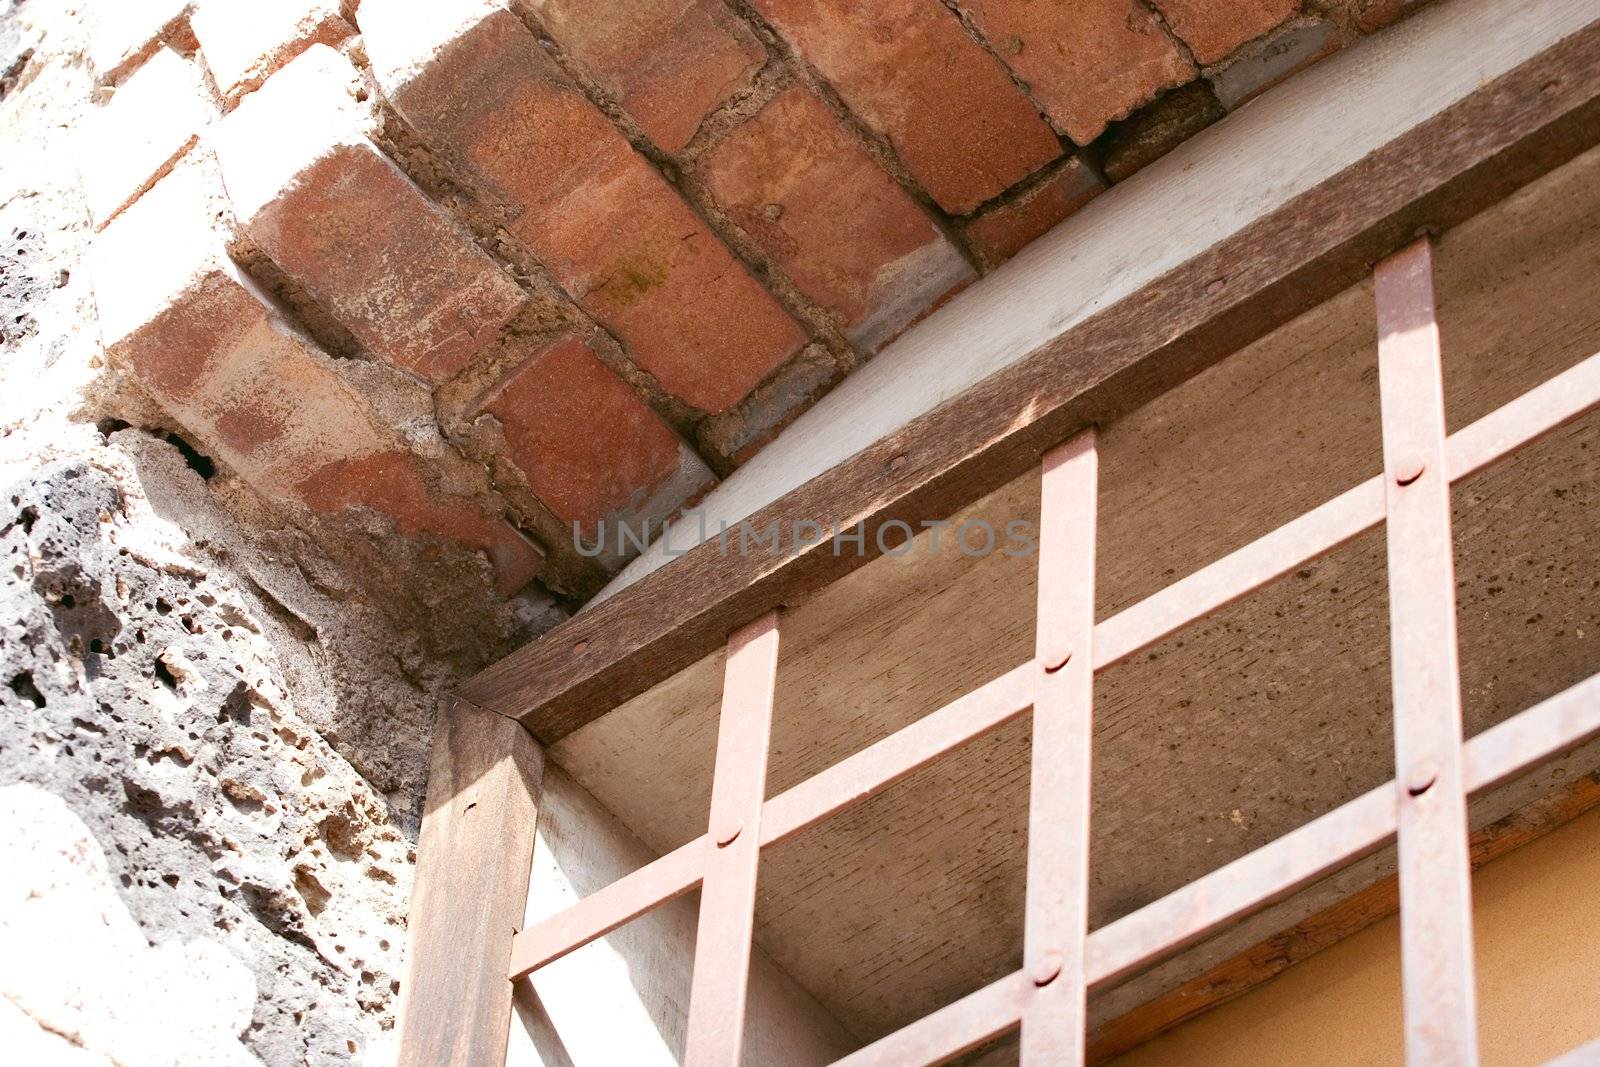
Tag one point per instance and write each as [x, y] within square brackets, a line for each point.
[1088, 62]
[244, 44]
[735, 436]
[1368, 16]
[325, 204]
[397, 485]
[590, 449]
[669, 63]
[1003, 231]
[849, 237]
[606, 224]
[1158, 129]
[912, 73]
[133, 139]
[1214, 28]
[1257, 68]
[182, 318]
[123, 33]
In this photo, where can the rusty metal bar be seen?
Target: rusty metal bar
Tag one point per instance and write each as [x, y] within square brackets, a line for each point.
[721, 981]
[956, 1028]
[1345, 834]
[1057, 912]
[1321, 530]
[1246, 885]
[1438, 976]
[1469, 450]
[880, 765]
[604, 910]
[852, 779]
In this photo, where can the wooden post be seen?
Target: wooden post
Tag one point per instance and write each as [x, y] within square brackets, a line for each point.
[471, 887]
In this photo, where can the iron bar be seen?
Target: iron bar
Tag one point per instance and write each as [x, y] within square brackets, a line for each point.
[1057, 910]
[1437, 973]
[1469, 450]
[721, 981]
[1246, 885]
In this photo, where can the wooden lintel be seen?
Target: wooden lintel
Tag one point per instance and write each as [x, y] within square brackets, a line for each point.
[470, 891]
[1500, 136]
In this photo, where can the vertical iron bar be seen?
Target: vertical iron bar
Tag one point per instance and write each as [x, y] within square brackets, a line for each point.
[728, 895]
[1057, 921]
[1435, 877]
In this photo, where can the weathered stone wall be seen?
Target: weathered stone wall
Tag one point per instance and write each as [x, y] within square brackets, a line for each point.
[214, 717]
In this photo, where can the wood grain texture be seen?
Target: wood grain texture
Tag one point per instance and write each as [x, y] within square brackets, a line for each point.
[471, 886]
[1438, 173]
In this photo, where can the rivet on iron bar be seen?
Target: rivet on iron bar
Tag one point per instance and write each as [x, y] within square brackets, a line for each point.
[1048, 969]
[728, 833]
[1051, 668]
[1422, 781]
[1410, 472]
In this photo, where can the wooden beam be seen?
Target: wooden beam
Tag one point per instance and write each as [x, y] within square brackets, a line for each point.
[471, 887]
[1439, 172]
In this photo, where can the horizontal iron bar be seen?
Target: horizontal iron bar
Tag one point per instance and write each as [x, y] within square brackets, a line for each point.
[852, 779]
[603, 911]
[1247, 884]
[1525, 419]
[1323, 529]
[954, 1029]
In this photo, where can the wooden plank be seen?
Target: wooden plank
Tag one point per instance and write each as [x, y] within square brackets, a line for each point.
[1435, 887]
[733, 852]
[1438, 173]
[1057, 908]
[473, 860]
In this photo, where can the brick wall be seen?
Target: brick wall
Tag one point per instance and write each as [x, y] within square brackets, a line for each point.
[608, 248]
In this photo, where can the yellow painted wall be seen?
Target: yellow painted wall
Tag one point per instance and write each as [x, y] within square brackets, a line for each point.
[1537, 917]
